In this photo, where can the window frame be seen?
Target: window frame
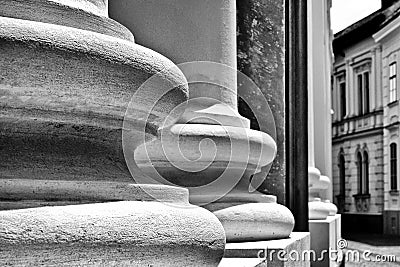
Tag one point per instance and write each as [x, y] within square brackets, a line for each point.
[359, 172]
[342, 175]
[360, 94]
[363, 79]
[365, 189]
[393, 167]
[366, 83]
[362, 162]
[392, 82]
[342, 99]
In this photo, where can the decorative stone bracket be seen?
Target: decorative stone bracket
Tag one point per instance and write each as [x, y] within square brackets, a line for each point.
[362, 202]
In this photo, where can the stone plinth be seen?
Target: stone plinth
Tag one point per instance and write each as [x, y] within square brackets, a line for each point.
[276, 253]
[324, 237]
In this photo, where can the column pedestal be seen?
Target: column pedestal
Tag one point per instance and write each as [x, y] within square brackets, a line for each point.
[74, 82]
[324, 237]
[324, 223]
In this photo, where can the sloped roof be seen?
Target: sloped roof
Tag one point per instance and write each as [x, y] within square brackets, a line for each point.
[365, 27]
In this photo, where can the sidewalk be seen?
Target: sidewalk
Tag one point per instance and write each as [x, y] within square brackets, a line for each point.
[377, 245]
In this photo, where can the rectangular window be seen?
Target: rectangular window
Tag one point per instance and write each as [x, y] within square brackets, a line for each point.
[365, 183]
[393, 166]
[366, 92]
[342, 88]
[342, 174]
[363, 92]
[392, 82]
[360, 93]
[360, 172]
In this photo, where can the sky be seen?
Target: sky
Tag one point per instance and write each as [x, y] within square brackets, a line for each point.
[346, 12]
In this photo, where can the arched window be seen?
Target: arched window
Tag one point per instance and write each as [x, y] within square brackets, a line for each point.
[359, 172]
[342, 175]
[393, 166]
[365, 183]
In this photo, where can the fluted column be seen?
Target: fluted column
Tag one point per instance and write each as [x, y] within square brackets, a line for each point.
[211, 150]
[76, 97]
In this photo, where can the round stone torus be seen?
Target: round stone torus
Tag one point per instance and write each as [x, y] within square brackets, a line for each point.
[27, 193]
[317, 210]
[89, 15]
[125, 233]
[318, 186]
[256, 222]
[332, 207]
[209, 160]
[195, 147]
[313, 175]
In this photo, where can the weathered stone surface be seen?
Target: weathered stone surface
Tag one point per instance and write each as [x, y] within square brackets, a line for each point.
[99, 7]
[68, 78]
[64, 93]
[25, 193]
[86, 15]
[261, 57]
[128, 233]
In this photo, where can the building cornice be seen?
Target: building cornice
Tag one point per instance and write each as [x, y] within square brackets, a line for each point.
[387, 30]
[359, 134]
[353, 118]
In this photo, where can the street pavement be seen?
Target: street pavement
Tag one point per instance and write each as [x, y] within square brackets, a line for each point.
[374, 250]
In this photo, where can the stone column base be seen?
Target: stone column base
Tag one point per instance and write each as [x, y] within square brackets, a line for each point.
[249, 222]
[158, 230]
[268, 253]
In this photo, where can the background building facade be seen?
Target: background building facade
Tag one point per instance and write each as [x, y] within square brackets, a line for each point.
[365, 122]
